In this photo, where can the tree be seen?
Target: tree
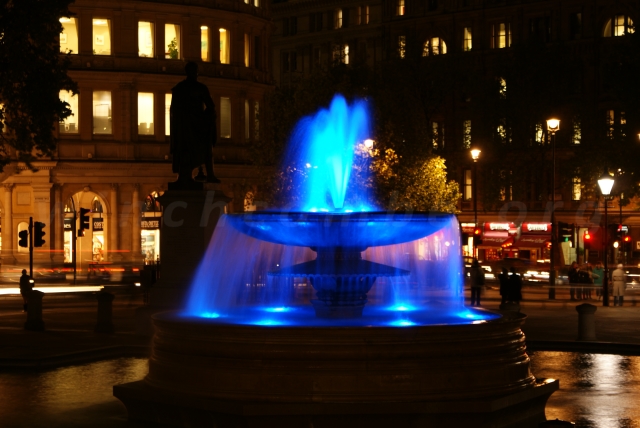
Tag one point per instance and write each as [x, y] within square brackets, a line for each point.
[32, 74]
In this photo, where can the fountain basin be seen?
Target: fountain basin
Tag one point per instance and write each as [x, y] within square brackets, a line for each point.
[449, 375]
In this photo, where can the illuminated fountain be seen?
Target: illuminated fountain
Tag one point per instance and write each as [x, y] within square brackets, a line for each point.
[384, 338]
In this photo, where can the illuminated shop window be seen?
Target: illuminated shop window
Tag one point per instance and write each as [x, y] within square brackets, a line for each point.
[145, 113]
[70, 124]
[172, 41]
[247, 49]
[467, 39]
[224, 46]
[225, 117]
[500, 35]
[204, 43]
[434, 46]
[69, 35]
[145, 39]
[618, 26]
[167, 114]
[102, 37]
[400, 8]
[102, 112]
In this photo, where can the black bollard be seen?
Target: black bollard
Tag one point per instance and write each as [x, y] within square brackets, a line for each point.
[34, 313]
[586, 322]
[105, 312]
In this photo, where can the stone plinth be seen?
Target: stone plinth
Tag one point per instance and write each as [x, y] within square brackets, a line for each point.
[242, 375]
[189, 218]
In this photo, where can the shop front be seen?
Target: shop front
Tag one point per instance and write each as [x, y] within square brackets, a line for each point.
[497, 239]
[150, 236]
[534, 243]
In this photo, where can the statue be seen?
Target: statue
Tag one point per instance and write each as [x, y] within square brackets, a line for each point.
[193, 128]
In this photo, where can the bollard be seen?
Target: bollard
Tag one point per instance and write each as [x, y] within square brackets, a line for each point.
[586, 322]
[105, 312]
[34, 312]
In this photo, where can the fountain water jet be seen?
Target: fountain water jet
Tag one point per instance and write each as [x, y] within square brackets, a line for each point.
[253, 346]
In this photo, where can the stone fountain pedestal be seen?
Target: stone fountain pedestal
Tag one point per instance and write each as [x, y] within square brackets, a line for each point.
[213, 374]
[189, 218]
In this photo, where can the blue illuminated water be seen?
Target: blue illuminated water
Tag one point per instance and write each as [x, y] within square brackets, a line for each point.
[259, 268]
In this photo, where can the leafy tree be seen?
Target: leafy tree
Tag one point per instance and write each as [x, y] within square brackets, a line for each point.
[32, 73]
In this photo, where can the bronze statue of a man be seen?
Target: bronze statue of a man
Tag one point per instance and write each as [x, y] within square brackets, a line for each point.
[193, 127]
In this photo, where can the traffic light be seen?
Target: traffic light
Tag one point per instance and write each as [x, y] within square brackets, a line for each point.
[84, 220]
[626, 243]
[38, 233]
[24, 238]
[565, 232]
[477, 237]
[587, 240]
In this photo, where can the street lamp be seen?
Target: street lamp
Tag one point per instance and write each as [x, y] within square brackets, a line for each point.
[475, 154]
[605, 182]
[553, 125]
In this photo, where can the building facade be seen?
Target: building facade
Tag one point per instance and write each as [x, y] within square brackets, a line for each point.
[114, 155]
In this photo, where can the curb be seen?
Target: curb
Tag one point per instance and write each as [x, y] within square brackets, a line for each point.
[586, 347]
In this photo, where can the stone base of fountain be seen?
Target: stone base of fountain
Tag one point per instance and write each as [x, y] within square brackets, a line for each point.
[214, 374]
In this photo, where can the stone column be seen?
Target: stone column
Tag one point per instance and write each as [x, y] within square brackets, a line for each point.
[8, 257]
[57, 228]
[114, 225]
[135, 225]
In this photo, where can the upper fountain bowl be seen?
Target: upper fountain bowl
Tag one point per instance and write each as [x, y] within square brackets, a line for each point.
[358, 230]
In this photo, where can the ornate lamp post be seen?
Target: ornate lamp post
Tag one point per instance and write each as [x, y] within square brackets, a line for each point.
[605, 182]
[475, 155]
[553, 125]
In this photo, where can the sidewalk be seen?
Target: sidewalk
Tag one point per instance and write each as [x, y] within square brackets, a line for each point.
[70, 320]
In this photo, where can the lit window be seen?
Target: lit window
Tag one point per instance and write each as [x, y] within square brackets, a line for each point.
[500, 35]
[434, 46]
[501, 131]
[145, 39]
[576, 192]
[337, 19]
[610, 121]
[503, 88]
[102, 112]
[204, 43]
[435, 134]
[467, 39]
[539, 134]
[224, 46]
[247, 49]
[341, 54]
[256, 3]
[400, 8]
[468, 185]
[69, 36]
[225, 117]
[70, 124]
[618, 26]
[101, 37]
[167, 114]
[466, 134]
[172, 41]
[145, 113]
[576, 136]
[402, 41]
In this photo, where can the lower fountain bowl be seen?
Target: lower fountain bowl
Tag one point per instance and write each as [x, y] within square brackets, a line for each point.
[458, 374]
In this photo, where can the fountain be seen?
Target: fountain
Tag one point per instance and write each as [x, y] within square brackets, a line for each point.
[335, 314]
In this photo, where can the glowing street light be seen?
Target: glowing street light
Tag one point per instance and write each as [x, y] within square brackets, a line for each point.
[605, 182]
[553, 126]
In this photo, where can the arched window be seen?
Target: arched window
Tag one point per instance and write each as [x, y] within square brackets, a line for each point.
[69, 206]
[617, 26]
[434, 46]
[96, 205]
[151, 203]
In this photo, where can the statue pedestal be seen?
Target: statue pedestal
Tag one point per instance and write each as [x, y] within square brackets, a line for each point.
[189, 218]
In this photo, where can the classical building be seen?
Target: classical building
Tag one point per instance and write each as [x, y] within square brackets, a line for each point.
[515, 177]
[114, 151]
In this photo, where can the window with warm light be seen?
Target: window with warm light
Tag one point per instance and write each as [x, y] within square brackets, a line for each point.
[434, 46]
[167, 114]
[145, 113]
[70, 124]
[576, 189]
[172, 41]
[502, 87]
[363, 15]
[468, 185]
[247, 49]
[502, 132]
[101, 37]
[204, 43]
[500, 35]
[467, 39]
[337, 19]
[341, 54]
[576, 135]
[145, 39]
[400, 8]
[225, 117]
[539, 133]
[466, 134]
[618, 26]
[402, 45]
[69, 35]
[102, 112]
[224, 46]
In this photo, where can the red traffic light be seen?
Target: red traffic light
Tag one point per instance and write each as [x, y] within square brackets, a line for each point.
[587, 236]
[477, 231]
[627, 238]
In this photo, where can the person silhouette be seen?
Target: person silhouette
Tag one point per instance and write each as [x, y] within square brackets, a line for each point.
[25, 288]
[193, 127]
